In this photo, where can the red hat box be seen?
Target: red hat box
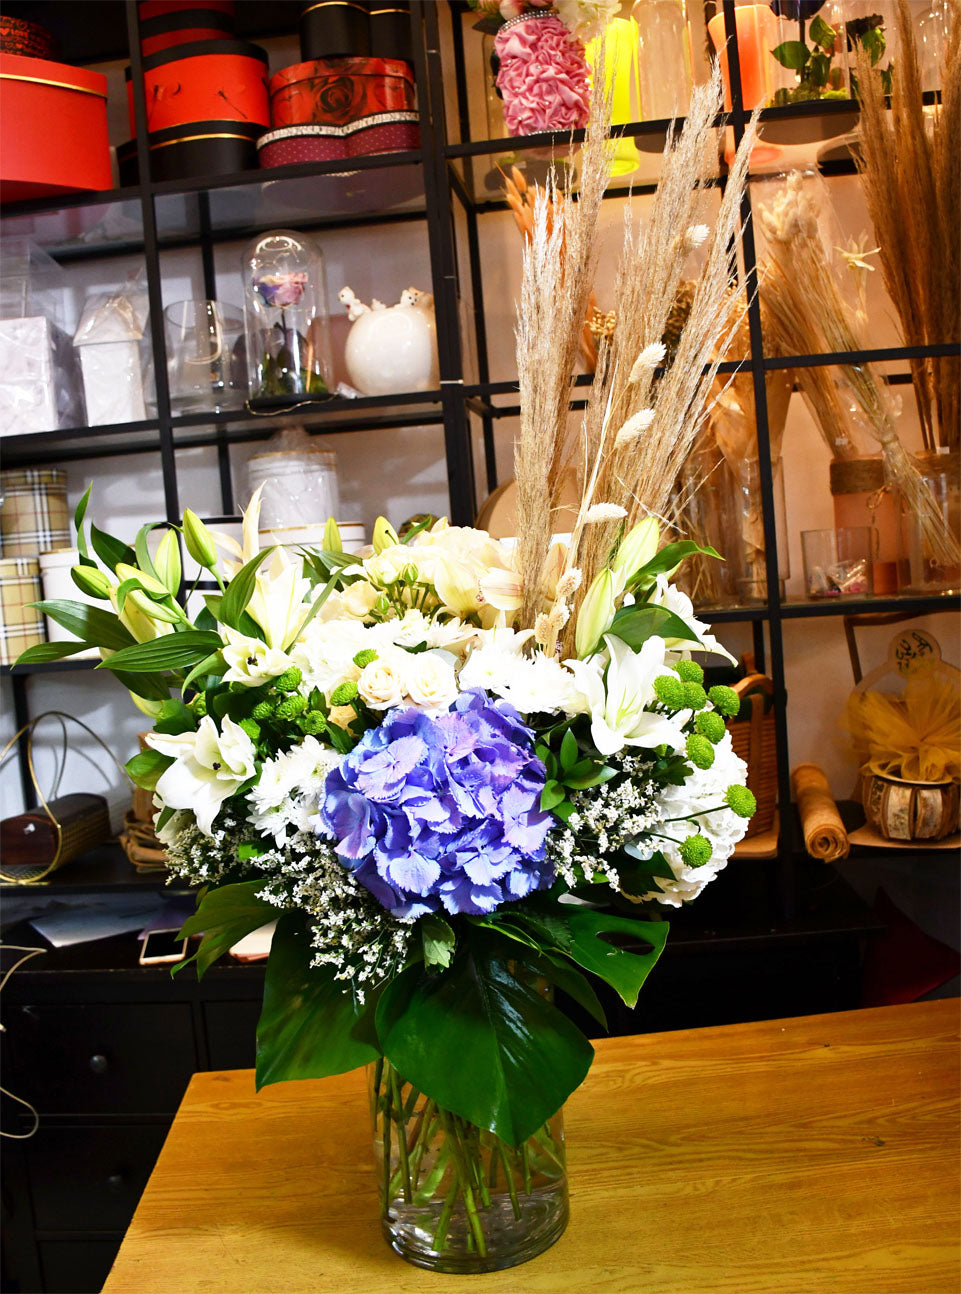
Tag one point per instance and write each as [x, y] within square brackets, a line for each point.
[53, 129]
[184, 27]
[389, 132]
[148, 9]
[210, 80]
[29, 39]
[199, 149]
[336, 92]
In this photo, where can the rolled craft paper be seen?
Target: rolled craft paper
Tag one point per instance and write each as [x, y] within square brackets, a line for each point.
[824, 834]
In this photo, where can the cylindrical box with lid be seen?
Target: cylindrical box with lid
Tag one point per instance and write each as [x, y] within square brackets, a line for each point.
[33, 511]
[21, 625]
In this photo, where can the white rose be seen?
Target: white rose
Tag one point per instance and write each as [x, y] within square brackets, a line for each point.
[381, 683]
[357, 599]
[388, 566]
[431, 681]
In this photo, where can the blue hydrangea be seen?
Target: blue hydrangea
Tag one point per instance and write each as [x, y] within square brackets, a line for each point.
[442, 812]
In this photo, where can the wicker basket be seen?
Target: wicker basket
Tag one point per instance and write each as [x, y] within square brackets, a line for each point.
[752, 736]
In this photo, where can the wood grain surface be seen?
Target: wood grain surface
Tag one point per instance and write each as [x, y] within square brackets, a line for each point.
[791, 1156]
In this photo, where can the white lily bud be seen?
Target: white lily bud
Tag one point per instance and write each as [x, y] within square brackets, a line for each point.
[167, 562]
[636, 549]
[385, 536]
[596, 613]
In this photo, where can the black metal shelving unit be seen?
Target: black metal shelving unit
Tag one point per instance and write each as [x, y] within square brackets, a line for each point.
[436, 185]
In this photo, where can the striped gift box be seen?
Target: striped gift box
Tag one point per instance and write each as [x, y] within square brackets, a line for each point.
[33, 514]
[21, 625]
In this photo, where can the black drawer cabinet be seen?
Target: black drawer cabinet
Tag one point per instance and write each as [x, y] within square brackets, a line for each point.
[90, 1178]
[102, 1058]
[104, 1049]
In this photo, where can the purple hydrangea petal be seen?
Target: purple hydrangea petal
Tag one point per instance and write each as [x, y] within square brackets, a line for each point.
[442, 811]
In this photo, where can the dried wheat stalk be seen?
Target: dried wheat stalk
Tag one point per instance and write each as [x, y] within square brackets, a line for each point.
[912, 183]
[811, 315]
[560, 258]
[638, 430]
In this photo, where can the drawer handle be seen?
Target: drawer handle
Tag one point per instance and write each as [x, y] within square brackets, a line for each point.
[99, 1064]
[115, 1182]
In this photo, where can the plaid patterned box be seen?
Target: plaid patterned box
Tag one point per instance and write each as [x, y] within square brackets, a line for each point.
[33, 511]
[21, 626]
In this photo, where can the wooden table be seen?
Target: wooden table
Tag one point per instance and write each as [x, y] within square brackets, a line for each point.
[813, 1154]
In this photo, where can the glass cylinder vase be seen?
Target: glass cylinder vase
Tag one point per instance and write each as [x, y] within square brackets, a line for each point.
[455, 1197]
[285, 316]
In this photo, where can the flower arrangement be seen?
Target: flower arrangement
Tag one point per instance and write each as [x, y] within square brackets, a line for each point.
[459, 774]
[539, 60]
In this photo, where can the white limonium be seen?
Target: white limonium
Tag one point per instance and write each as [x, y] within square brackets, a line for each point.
[250, 660]
[666, 595]
[209, 767]
[618, 702]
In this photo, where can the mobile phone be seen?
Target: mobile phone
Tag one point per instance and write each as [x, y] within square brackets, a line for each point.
[162, 946]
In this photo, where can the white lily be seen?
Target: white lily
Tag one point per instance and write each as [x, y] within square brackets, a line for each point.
[251, 661]
[617, 703]
[666, 595]
[277, 602]
[209, 766]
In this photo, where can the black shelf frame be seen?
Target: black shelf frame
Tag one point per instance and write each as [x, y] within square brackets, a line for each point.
[447, 165]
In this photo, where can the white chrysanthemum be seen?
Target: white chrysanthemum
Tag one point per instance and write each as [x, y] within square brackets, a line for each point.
[681, 815]
[666, 595]
[542, 684]
[289, 787]
[326, 653]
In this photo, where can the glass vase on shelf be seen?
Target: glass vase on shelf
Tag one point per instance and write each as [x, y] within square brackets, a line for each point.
[932, 563]
[455, 1197]
[285, 316]
[665, 69]
[862, 496]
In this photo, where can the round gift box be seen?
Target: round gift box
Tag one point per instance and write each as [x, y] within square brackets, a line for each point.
[192, 151]
[209, 80]
[325, 92]
[185, 27]
[391, 132]
[26, 38]
[297, 144]
[53, 129]
[390, 30]
[148, 9]
[334, 29]
[903, 810]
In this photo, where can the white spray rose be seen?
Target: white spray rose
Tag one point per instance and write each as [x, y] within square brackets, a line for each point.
[431, 681]
[381, 683]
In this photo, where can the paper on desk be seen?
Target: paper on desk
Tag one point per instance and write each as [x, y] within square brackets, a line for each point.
[255, 946]
[97, 919]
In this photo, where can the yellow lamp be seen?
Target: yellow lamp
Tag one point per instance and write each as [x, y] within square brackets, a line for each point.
[620, 71]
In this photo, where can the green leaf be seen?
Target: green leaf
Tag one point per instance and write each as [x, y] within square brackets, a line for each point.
[874, 42]
[145, 769]
[438, 940]
[793, 54]
[239, 591]
[92, 624]
[171, 651]
[149, 686]
[310, 1026]
[551, 796]
[818, 70]
[144, 560]
[249, 849]
[317, 603]
[668, 559]
[174, 718]
[481, 1042]
[578, 933]
[110, 550]
[569, 751]
[43, 652]
[634, 625]
[78, 517]
[570, 981]
[822, 34]
[214, 664]
[600, 775]
[223, 916]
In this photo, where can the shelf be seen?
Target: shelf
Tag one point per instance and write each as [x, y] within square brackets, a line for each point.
[910, 603]
[74, 443]
[104, 868]
[68, 666]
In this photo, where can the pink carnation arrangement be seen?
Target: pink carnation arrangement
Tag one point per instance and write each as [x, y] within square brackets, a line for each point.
[543, 76]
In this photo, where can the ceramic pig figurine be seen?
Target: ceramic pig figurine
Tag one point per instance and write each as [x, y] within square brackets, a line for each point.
[391, 348]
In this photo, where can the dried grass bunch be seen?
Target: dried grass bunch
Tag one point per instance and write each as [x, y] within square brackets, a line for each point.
[911, 175]
[640, 421]
[810, 314]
